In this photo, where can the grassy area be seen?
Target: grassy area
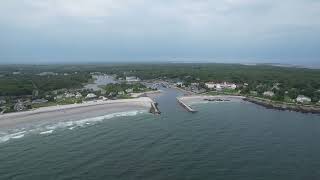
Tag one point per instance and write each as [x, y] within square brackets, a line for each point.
[64, 101]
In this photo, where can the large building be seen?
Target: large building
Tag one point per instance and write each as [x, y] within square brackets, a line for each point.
[132, 79]
[303, 99]
[221, 86]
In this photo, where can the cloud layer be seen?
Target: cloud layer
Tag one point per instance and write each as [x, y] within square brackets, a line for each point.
[256, 29]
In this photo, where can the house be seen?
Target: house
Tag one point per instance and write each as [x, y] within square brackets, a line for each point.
[129, 90]
[276, 86]
[232, 86]
[48, 74]
[303, 99]
[222, 86]
[91, 96]
[121, 93]
[268, 94]
[180, 84]
[78, 95]
[218, 87]
[69, 95]
[58, 97]
[210, 85]
[132, 79]
[103, 98]
[112, 94]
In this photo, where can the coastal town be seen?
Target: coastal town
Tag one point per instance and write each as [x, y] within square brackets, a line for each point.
[107, 87]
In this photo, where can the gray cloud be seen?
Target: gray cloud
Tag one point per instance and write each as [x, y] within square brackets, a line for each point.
[190, 28]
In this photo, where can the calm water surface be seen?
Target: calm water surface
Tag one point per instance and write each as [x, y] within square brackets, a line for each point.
[227, 140]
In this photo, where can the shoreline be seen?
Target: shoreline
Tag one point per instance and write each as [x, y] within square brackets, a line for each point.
[196, 99]
[283, 106]
[72, 112]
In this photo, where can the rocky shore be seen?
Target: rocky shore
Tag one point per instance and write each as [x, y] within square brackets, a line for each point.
[283, 106]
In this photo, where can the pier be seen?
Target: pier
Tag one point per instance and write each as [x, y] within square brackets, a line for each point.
[185, 106]
[154, 108]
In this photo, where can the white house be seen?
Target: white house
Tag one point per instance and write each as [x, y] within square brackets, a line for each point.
[132, 79]
[268, 93]
[121, 93]
[69, 95]
[210, 85]
[303, 99]
[91, 95]
[78, 95]
[219, 86]
[103, 98]
[232, 86]
[179, 84]
[129, 90]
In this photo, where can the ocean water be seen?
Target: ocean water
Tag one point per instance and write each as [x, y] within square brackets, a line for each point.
[224, 140]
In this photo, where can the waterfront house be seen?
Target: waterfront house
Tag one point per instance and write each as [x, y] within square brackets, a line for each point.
[219, 87]
[69, 95]
[58, 97]
[91, 96]
[268, 94]
[129, 90]
[78, 95]
[210, 85]
[179, 84]
[103, 98]
[121, 93]
[303, 99]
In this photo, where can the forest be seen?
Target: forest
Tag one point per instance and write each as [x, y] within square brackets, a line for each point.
[260, 78]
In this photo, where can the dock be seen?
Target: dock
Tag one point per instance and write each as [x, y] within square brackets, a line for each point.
[185, 106]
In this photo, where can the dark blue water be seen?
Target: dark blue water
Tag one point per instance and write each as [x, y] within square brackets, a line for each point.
[228, 140]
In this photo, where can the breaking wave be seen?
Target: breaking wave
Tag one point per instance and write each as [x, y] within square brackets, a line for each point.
[49, 129]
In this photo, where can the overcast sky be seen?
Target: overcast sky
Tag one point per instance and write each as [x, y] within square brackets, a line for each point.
[55, 31]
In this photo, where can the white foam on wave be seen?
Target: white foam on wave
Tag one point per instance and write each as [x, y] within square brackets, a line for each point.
[48, 129]
[46, 132]
[6, 137]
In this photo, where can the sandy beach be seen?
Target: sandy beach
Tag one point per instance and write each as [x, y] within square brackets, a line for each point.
[201, 98]
[73, 112]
